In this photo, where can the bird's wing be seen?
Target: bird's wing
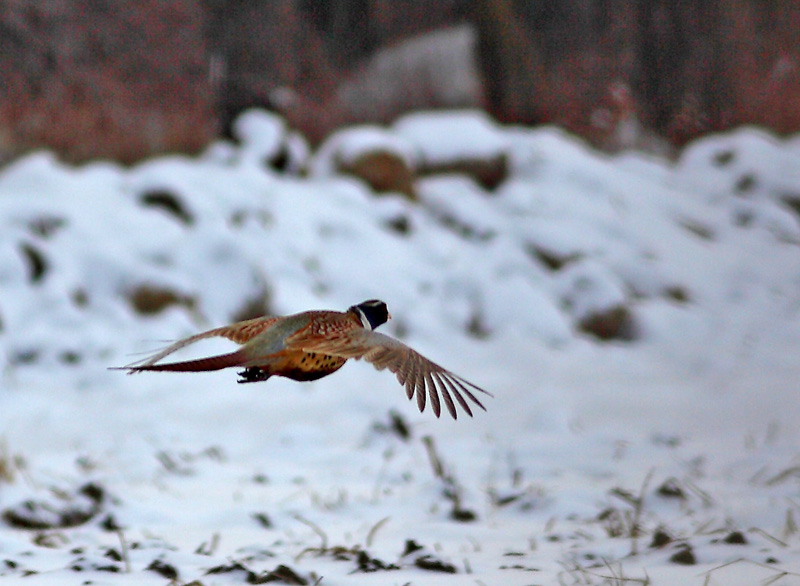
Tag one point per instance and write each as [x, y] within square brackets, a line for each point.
[240, 332]
[421, 377]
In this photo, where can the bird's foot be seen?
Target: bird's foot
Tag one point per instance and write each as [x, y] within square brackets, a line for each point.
[253, 374]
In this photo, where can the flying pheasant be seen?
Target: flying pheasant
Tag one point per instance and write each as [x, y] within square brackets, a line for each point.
[309, 345]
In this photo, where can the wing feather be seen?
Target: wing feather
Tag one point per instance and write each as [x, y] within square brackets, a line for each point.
[419, 375]
[452, 383]
[428, 382]
[412, 386]
[448, 400]
[432, 394]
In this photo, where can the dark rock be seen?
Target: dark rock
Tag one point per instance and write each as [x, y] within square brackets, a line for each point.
[169, 203]
[735, 538]
[684, 556]
[383, 170]
[164, 569]
[615, 323]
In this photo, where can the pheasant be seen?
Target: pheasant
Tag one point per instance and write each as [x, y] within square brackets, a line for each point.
[310, 345]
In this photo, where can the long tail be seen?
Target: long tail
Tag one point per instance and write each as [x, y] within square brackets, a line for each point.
[198, 365]
[240, 332]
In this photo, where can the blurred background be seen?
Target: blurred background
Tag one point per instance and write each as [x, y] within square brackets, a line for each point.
[126, 80]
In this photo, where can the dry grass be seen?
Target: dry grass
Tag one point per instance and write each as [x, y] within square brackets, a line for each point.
[11, 465]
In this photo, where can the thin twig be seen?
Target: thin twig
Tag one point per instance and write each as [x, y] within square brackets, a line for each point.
[637, 513]
[315, 528]
[124, 547]
[375, 529]
[433, 456]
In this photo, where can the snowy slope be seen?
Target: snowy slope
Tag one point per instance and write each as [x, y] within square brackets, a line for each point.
[688, 431]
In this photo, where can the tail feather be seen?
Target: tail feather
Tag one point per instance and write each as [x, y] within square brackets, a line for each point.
[198, 365]
[171, 349]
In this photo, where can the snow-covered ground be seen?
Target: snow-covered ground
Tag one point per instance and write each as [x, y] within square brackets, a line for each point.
[669, 457]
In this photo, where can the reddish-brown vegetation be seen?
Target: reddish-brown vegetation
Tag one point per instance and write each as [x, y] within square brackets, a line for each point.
[126, 80]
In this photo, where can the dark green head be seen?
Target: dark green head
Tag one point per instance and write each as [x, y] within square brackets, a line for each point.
[372, 313]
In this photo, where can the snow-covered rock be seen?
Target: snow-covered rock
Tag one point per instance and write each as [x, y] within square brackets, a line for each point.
[383, 159]
[467, 141]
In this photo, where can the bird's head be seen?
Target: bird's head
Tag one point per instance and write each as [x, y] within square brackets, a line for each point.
[372, 313]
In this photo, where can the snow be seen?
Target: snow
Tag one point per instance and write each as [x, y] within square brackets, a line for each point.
[582, 440]
[262, 137]
[445, 137]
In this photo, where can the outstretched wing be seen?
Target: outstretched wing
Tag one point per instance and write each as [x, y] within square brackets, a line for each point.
[240, 332]
[420, 376]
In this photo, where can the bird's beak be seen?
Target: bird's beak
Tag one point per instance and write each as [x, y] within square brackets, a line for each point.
[388, 316]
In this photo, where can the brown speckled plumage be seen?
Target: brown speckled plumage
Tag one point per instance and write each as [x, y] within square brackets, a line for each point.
[310, 345]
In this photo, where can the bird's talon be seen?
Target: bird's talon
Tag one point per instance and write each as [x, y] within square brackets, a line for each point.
[252, 374]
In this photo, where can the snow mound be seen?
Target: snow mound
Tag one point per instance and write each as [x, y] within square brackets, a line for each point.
[443, 137]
